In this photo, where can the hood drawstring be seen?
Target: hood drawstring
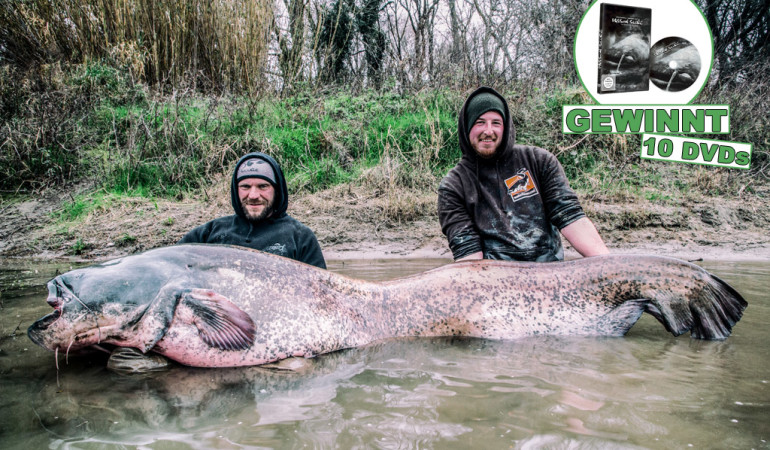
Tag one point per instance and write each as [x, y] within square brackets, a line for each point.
[251, 230]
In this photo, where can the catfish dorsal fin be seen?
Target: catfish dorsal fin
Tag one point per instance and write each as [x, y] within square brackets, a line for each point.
[220, 322]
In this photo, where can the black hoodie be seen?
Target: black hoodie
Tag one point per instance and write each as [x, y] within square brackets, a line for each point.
[510, 206]
[279, 234]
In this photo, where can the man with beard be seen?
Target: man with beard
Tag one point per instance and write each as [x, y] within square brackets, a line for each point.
[260, 198]
[507, 201]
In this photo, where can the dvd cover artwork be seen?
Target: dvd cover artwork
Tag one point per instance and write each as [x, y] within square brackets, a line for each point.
[624, 48]
[674, 64]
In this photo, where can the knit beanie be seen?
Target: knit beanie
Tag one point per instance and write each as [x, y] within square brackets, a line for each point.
[480, 104]
[256, 168]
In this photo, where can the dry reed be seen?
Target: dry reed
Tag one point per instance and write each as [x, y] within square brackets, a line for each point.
[211, 44]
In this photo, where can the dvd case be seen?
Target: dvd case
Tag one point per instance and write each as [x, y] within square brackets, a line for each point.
[624, 48]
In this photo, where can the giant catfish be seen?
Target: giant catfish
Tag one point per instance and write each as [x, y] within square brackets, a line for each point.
[218, 306]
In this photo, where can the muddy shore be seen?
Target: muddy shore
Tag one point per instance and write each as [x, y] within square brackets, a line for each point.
[353, 223]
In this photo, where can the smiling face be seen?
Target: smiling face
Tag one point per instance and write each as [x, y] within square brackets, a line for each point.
[257, 196]
[487, 133]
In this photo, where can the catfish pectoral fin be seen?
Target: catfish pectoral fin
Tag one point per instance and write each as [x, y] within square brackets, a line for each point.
[220, 322]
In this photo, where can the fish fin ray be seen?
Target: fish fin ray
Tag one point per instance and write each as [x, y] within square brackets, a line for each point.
[618, 321]
[154, 321]
[709, 312]
[716, 310]
[220, 322]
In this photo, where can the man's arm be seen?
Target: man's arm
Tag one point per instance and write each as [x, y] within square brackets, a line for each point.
[457, 225]
[190, 238]
[198, 235]
[582, 235]
[308, 249]
[471, 257]
[312, 254]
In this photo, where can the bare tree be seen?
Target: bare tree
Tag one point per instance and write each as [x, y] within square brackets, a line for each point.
[556, 22]
[421, 15]
[397, 43]
[335, 37]
[452, 60]
[457, 47]
[503, 37]
[291, 42]
[741, 31]
[373, 39]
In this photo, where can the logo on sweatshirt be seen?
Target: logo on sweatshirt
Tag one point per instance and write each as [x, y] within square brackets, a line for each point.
[521, 186]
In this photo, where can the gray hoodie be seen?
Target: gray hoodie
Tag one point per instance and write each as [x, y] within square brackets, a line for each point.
[510, 206]
[279, 234]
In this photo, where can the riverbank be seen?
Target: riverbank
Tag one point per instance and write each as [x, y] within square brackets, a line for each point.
[128, 169]
[700, 230]
[354, 222]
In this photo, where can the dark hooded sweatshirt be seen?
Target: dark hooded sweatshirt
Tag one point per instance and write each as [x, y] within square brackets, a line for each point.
[509, 207]
[279, 234]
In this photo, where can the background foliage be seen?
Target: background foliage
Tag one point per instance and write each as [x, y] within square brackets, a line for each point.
[160, 97]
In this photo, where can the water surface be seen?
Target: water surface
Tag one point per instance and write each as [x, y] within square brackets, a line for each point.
[645, 390]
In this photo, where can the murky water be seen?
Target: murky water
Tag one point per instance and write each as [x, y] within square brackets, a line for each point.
[645, 390]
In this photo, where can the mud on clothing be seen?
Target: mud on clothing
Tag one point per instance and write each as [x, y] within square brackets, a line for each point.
[510, 206]
[280, 234]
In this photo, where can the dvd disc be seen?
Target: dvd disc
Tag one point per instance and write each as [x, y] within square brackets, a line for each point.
[674, 64]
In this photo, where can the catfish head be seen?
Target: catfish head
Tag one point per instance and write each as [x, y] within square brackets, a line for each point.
[136, 301]
[103, 304]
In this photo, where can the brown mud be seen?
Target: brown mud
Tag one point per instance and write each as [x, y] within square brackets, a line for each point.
[358, 223]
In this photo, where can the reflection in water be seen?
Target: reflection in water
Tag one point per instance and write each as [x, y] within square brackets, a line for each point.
[645, 390]
[196, 403]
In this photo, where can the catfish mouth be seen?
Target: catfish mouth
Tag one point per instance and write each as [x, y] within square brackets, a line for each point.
[36, 329]
[629, 53]
[45, 322]
[75, 345]
[64, 337]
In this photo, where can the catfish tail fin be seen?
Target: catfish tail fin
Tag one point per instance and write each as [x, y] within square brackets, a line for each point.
[717, 311]
[710, 311]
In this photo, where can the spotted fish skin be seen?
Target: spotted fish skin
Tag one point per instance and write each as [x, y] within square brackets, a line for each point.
[591, 296]
[218, 306]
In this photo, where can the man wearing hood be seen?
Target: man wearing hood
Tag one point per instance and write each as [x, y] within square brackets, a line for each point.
[260, 198]
[507, 201]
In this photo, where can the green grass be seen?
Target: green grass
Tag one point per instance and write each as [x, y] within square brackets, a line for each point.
[79, 247]
[80, 206]
[125, 240]
[92, 122]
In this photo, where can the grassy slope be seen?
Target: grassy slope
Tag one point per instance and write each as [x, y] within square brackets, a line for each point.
[138, 169]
